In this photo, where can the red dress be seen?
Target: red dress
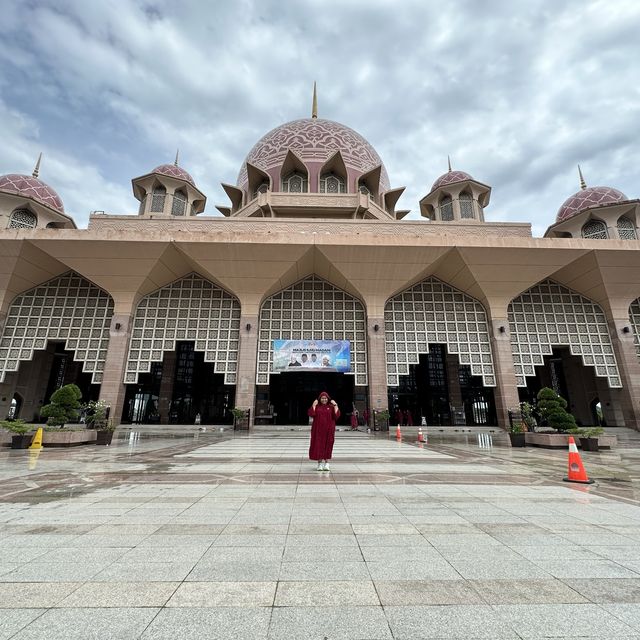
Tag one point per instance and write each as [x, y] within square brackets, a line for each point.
[323, 431]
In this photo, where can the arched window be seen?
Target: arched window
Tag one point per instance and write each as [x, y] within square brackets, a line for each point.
[179, 205]
[466, 205]
[331, 183]
[262, 188]
[295, 183]
[23, 219]
[626, 229]
[446, 209]
[157, 200]
[595, 229]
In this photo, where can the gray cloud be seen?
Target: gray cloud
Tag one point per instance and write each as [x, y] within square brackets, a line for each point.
[517, 93]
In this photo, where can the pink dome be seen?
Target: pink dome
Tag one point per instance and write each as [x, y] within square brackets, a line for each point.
[174, 171]
[588, 199]
[449, 178]
[314, 140]
[33, 188]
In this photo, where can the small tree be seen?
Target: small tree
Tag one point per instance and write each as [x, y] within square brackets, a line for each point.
[553, 408]
[63, 405]
[96, 412]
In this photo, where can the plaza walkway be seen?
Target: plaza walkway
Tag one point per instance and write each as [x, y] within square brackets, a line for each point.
[186, 535]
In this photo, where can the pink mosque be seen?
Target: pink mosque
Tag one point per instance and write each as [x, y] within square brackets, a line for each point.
[171, 313]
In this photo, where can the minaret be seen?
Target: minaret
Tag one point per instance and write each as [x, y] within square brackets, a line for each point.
[36, 170]
[175, 162]
[583, 184]
[314, 105]
[449, 163]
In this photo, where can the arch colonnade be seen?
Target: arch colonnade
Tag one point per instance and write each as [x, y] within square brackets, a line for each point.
[120, 305]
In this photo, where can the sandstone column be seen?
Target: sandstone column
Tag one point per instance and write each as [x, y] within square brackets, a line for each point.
[247, 364]
[378, 399]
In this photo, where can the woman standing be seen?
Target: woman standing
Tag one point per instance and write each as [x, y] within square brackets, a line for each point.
[324, 412]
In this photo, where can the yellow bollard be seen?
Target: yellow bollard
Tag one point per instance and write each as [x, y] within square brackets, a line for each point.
[33, 458]
[36, 443]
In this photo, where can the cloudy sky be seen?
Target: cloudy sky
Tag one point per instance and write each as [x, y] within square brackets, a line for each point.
[517, 92]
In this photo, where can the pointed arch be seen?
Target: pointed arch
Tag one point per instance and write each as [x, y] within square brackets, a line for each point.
[549, 314]
[445, 207]
[634, 319]
[466, 205]
[626, 229]
[179, 204]
[158, 196]
[333, 175]
[434, 312]
[23, 218]
[294, 176]
[192, 309]
[595, 229]
[312, 309]
[68, 308]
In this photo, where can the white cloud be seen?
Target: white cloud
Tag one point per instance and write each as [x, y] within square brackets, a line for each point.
[516, 93]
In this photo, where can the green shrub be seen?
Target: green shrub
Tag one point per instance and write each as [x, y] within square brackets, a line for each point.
[553, 408]
[19, 427]
[63, 405]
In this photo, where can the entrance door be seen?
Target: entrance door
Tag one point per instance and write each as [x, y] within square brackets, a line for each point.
[293, 393]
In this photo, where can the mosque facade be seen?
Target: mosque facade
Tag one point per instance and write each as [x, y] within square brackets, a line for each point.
[177, 315]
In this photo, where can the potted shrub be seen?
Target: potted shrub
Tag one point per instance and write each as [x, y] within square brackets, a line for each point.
[528, 416]
[516, 434]
[553, 409]
[63, 406]
[22, 433]
[240, 418]
[381, 420]
[96, 412]
[589, 438]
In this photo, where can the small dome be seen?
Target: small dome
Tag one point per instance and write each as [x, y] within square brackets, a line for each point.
[174, 171]
[588, 199]
[314, 140]
[449, 178]
[29, 187]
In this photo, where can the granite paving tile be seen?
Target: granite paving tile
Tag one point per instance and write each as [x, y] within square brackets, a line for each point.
[328, 570]
[563, 620]
[321, 553]
[88, 624]
[12, 621]
[125, 571]
[454, 621]
[412, 570]
[326, 594]
[426, 592]
[18, 595]
[120, 594]
[607, 590]
[233, 571]
[589, 569]
[53, 572]
[550, 591]
[224, 594]
[337, 623]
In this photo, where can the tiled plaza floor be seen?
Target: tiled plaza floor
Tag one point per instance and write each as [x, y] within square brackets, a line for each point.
[188, 535]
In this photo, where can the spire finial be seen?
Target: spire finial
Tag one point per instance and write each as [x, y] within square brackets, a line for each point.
[175, 162]
[36, 170]
[583, 184]
[314, 106]
[449, 162]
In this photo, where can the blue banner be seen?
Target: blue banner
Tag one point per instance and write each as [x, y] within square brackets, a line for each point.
[311, 355]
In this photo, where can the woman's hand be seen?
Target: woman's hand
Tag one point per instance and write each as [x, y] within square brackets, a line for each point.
[335, 406]
[315, 404]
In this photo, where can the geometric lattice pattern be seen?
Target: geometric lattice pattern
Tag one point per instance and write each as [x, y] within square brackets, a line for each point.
[634, 318]
[23, 219]
[626, 229]
[433, 312]
[30, 187]
[588, 199]
[68, 308]
[312, 309]
[192, 309]
[549, 315]
[595, 229]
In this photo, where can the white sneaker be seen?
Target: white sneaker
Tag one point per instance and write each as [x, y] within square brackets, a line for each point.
[320, 467]
[326, 467]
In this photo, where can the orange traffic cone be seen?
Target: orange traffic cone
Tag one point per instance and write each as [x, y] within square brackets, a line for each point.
[576, 468]
[398, 433]
[420, 435]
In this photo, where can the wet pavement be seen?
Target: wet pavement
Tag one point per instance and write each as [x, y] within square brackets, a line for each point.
[177, 533]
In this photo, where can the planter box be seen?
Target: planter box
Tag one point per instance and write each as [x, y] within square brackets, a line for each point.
[21, 441]
[561, 440]
[518, 439]
[104, 437]
[68, 438]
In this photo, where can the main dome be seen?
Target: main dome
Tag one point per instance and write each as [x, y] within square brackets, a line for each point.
[33, 188]
[588, 198]
[313, 140]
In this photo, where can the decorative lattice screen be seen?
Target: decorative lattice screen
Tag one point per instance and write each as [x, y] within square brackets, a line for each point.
[193, 309]
[312, 309]
[434, 312]
[68, 308]
[549, 315]
[634, 318]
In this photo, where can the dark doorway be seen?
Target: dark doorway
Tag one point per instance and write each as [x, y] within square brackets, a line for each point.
[66, 370]
[293, 393]
[176, 394]
[429, 392]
